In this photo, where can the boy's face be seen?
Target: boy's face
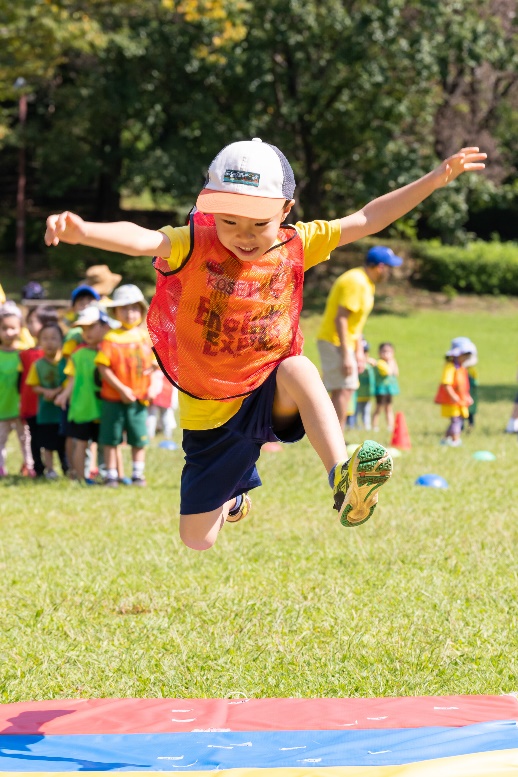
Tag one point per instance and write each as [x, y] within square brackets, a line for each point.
[50, 341]
[34, 325]
[95, 333]
[9, 330]
[249, 239]
[82, 302]
[387, 352]
[130, 315]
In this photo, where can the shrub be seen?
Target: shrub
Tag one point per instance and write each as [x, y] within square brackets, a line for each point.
[479, 268]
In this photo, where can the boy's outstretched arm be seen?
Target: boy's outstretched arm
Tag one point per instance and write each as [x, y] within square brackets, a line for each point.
[121, 236]
[384, 210]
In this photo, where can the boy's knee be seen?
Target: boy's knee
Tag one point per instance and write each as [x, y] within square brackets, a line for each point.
[195, 534]
[294, 365]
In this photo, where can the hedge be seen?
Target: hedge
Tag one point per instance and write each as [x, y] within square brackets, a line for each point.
[479, 268]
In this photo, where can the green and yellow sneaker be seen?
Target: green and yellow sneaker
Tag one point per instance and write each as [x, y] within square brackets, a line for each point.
[246, 506]
[357, 482]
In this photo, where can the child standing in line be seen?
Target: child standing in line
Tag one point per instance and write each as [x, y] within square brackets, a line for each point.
[387, 385]
[471, 364]
[46, 376]
[125, 362]
[453, 393]
[163, 397]
[36, 318]
[225, 327]
[10, 325]
[82, 388]
[365, 392]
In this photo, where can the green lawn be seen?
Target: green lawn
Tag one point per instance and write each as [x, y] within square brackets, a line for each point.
[99, 598]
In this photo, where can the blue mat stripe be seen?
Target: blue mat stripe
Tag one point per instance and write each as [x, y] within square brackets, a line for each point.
[208, 750]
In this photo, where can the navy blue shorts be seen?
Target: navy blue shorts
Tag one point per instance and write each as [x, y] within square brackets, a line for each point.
[220, 463]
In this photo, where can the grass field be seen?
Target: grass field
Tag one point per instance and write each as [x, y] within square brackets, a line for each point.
[99, 598]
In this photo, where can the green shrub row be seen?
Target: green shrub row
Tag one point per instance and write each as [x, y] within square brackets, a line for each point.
[479, 268]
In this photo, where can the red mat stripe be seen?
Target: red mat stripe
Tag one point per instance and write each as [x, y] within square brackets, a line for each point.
[142, 716]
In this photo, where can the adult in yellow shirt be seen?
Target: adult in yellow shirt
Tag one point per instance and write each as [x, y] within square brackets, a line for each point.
[340, 335]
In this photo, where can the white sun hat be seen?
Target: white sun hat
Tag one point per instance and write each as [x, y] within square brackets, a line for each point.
[128, 294]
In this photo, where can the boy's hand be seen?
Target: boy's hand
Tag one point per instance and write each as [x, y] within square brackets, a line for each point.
[61, 400]
[49, 394]
[127, 396]
[66, 227]
[466, 160]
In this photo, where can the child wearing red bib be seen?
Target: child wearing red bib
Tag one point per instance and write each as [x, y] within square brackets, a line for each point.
[224, 324]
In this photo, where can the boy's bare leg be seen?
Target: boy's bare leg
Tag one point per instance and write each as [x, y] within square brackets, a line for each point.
[111, 457]
[78, 460]
[300, 390]
[199, 531]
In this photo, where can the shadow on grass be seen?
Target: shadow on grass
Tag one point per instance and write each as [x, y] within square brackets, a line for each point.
[489, 393]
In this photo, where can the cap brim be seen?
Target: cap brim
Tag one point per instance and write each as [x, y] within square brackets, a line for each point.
[395, 261]
[244, 205]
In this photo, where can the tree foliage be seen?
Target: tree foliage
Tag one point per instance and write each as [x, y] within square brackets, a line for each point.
[362, 96]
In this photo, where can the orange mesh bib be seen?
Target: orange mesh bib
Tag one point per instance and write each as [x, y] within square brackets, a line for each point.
[460, 386]
[219, 326]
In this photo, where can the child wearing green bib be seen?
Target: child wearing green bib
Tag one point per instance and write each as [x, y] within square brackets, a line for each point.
[47, 376]
[83, 387]
[10, 370]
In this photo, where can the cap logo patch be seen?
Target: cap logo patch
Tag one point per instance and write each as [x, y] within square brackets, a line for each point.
[242, 177]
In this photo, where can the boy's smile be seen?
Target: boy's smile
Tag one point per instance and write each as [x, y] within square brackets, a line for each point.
[248, 239]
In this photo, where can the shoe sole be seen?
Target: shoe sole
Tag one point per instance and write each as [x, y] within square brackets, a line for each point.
[369, 468]
[243, 512]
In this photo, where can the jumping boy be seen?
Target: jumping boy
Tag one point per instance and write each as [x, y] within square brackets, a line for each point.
[224, 324]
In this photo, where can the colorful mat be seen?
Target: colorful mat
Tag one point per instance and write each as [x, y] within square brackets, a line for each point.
[450, 736]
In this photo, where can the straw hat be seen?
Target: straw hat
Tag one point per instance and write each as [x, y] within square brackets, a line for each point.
[102, 279]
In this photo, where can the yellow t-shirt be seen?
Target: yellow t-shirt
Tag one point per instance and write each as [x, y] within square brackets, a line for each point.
[319, 238]
[354, 291]
[448, 379]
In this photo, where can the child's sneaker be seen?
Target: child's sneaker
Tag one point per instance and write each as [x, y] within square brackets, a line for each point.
[3, 472]
[357, 481]
[136, 481]
[51, 474]
[242, 512]
[111, 483]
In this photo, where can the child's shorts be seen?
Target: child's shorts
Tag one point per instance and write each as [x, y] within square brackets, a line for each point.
[85, 432]
[49, 437]
[117, 418]
[220, 463]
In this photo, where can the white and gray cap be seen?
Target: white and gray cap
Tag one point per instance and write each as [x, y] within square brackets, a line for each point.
[248, 178]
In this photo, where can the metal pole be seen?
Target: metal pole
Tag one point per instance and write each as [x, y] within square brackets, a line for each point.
[20, 193]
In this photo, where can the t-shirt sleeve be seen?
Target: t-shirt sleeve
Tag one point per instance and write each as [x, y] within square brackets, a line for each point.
[32, 376]
[383, 368]
[319, 238]
[448, 374]
[180, 238]
[102, 358]
[70, 369]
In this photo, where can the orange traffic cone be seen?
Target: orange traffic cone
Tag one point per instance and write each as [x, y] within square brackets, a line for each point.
[400, 437]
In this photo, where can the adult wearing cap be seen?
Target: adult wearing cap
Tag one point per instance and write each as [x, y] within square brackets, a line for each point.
[341, 332]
